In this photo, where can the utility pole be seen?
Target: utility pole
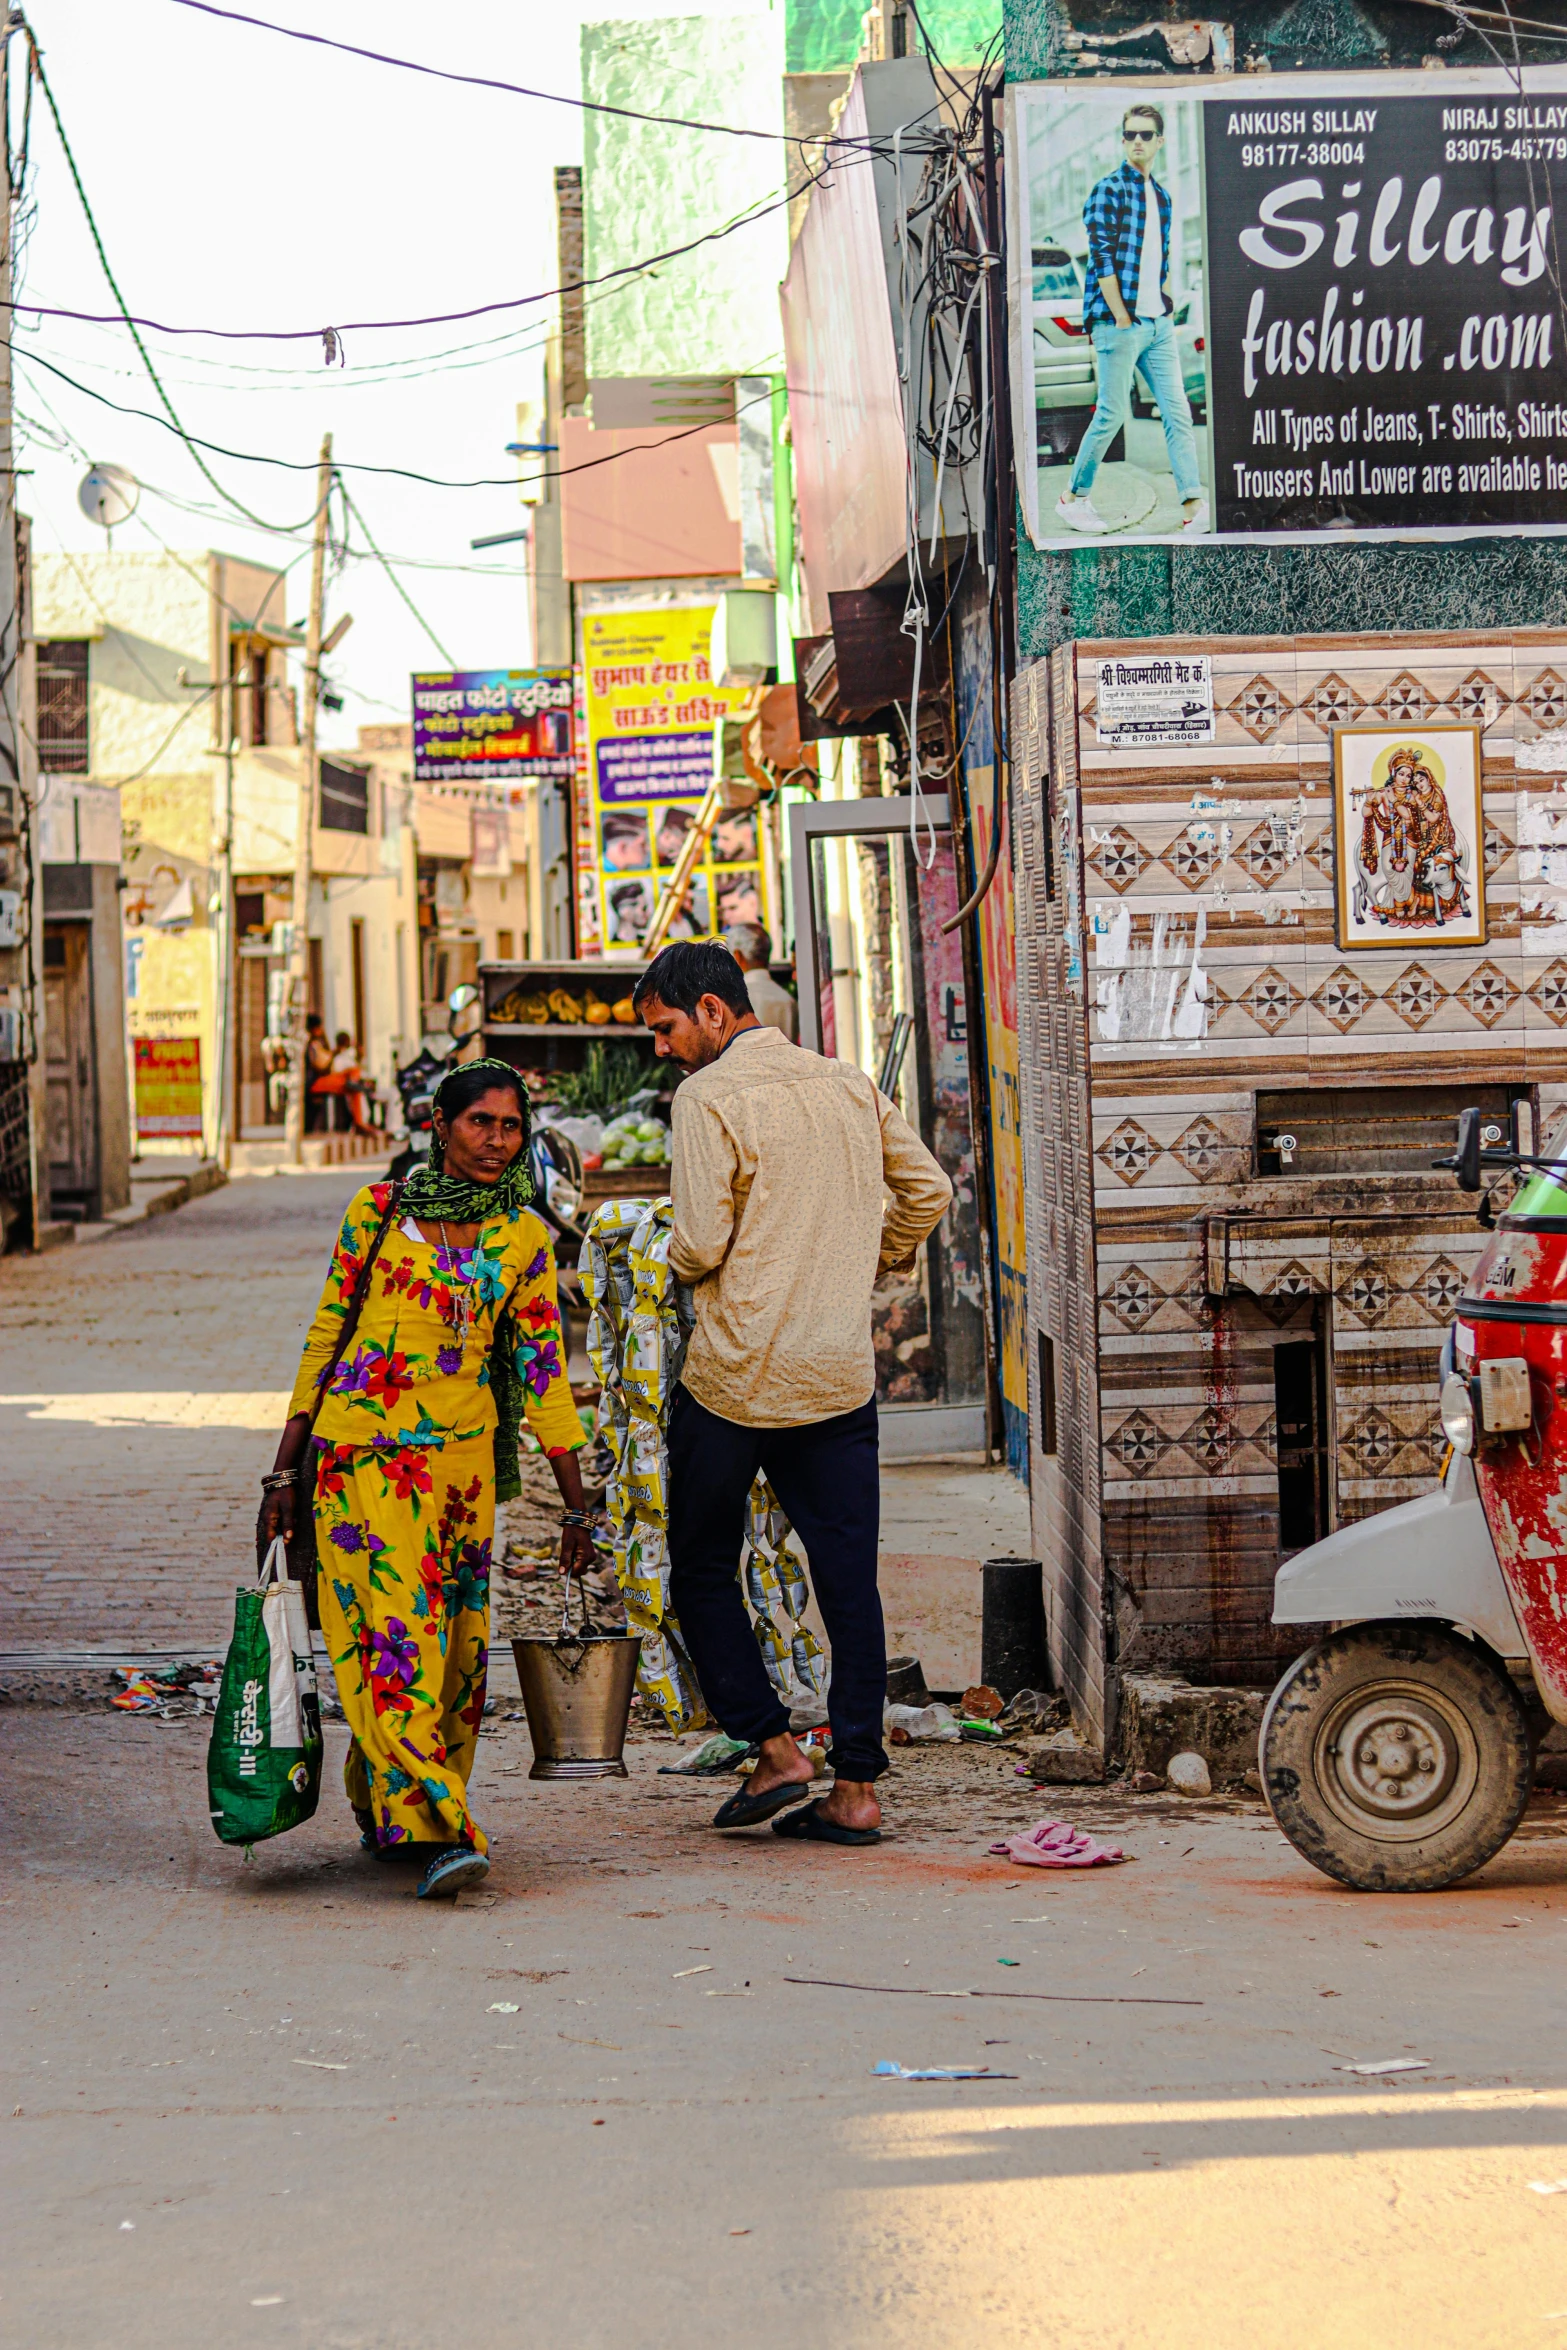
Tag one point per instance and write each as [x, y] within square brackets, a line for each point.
[299, 960]
[20, 868]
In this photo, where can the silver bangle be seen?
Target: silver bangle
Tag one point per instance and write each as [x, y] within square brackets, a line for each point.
[276, 1480]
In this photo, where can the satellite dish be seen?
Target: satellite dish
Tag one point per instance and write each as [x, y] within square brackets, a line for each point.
[108, 495]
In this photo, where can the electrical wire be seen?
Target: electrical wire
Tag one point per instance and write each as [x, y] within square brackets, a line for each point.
[313, 334]
[475, 81]
[396, 582]
[36, 67]
[399, 472]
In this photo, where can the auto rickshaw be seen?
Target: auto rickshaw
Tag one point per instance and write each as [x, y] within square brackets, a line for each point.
[1398, 1754]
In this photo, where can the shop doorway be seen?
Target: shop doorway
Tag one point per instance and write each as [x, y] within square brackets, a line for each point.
[261, 1040]
[1302, 1438]
[881, 985]
[68, 1061]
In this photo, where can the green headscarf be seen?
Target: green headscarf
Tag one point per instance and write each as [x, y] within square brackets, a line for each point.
[431, 1194]
[430, 1191]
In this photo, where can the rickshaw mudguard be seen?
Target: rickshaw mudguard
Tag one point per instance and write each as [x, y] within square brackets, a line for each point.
[1427, 1561]
[1516, 1310]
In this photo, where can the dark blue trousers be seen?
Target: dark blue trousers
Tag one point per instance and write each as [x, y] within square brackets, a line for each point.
[827, 1479]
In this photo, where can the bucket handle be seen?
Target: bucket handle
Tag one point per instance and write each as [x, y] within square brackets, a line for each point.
[565, 1638]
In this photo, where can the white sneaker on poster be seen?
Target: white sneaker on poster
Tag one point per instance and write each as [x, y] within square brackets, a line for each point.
[1078, 514]
[1197, 522]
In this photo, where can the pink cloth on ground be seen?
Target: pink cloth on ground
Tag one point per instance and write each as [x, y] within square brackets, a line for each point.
[1056, 1844]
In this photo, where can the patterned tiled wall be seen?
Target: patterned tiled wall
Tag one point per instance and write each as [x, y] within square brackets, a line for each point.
[1064, 1486]
[1215, 868]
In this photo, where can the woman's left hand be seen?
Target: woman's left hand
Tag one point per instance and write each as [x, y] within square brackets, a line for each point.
[577, 1554]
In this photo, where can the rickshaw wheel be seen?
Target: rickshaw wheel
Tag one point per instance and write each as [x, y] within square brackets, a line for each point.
[1396, 1757]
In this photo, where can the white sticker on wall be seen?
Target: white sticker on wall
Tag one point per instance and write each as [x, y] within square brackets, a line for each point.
[1158, 701]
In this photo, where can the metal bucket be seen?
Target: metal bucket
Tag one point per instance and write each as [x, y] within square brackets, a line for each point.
[577, 1691]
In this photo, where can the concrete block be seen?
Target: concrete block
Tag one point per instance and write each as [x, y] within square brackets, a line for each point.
[1062, 1760]
[1160, 1719]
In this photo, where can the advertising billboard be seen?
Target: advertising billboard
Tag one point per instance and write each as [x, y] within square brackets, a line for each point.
[1323, 306]
[492, 725]
[651, 713]
[168, 1087]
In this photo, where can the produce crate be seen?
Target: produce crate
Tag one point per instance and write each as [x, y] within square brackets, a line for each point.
[547, 1046]
[601, 1183]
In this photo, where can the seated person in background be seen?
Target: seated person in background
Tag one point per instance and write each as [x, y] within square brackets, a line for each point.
[345, 1065]
[319, 1083]
[773, 1005]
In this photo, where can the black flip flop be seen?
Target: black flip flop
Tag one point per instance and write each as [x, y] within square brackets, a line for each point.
[813, 1826]
[745, 1810]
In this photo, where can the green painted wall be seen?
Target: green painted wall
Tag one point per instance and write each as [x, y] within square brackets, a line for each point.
[824, 36]
[1290, 590]
[649, 187]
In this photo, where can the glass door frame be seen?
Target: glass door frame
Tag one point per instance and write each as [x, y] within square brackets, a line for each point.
[909, 1431]
[831, 820]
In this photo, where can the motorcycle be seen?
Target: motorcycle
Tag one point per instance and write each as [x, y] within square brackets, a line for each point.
[1398, 1754]
[557, 1167]
[418, 1079]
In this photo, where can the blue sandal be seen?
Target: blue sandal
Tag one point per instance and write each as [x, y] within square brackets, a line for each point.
[454, 1868]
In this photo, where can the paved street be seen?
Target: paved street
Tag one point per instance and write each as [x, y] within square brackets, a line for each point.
[142, 1386]
[309, 2100]
[281, 2105]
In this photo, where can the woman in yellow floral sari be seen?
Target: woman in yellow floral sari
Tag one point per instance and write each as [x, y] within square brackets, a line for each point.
[458, 1340]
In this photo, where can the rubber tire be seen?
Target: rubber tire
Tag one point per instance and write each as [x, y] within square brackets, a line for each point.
[1470, 1681]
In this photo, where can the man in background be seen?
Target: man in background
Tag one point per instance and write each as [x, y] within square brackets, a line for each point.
[1127, 309]
[783, 1163]
[773, 1005]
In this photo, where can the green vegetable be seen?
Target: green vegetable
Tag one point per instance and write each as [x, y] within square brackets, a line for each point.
[609, 1072]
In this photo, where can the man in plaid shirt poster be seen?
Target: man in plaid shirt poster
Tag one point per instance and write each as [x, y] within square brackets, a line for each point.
[1127, 309]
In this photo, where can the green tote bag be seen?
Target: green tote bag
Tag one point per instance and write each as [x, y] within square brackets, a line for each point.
[264, 1762]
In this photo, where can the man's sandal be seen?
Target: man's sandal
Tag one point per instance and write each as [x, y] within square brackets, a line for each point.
[745, 1810]
[813, 1826]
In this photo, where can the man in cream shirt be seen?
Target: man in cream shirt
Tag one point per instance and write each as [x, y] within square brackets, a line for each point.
[782, 1169]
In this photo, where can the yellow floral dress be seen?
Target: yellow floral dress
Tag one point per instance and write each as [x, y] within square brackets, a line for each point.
[405, 1495]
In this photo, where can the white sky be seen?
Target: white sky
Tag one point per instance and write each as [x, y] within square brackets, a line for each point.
[244, 180]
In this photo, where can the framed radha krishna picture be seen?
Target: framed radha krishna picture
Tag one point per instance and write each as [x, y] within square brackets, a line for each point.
[1408, 836]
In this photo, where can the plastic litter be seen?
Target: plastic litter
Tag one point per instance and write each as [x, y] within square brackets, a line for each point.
[921, 1722]
[1056, 1844]
[1389, 2064]
[1548, 2186]
[982, 1703]
[1188, 1774]
[503, 2007]
[1031, 1709]
[154, 1689]
[140, 1695]
[715, 1754]
[938, 2072]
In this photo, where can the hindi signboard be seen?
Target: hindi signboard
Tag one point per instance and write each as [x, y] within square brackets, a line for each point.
[1319, 307]
[168, 1087]
[492, 725]
[652, 708]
